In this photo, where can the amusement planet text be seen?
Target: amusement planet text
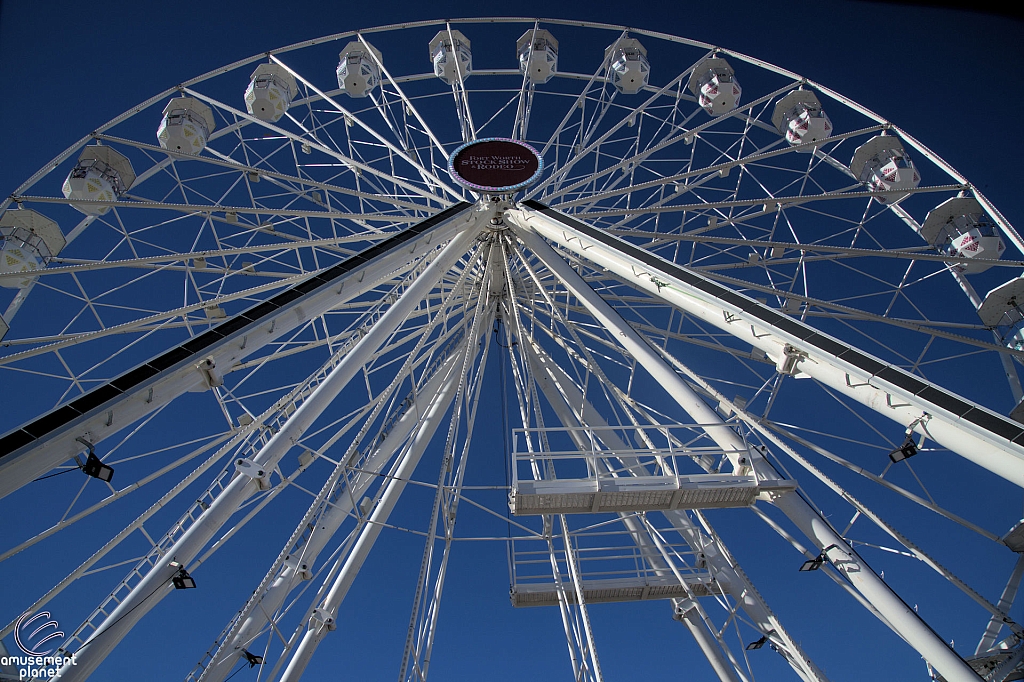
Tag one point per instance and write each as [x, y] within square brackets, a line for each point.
[38, 667]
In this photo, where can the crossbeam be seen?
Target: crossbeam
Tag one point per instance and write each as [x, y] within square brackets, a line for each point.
[976, 433]
[614, 590]
[39, 445]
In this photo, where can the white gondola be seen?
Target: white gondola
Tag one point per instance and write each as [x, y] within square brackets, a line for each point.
[538, 55]
[186, 125]
[960, 227]
[451, 55]
[270, 92]
[884, 165]
[358, 70]
[628, 66]
[101, 174]
[800, 118]
[714, 85]
[28, 240]
[1003, 310]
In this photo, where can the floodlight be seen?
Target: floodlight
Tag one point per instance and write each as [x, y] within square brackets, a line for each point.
[97, 469]
[815, 563]
[908, 449]
[182, 580]
[93, 466]
[753, 646]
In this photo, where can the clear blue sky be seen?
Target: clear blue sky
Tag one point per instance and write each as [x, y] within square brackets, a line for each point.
[952, 79]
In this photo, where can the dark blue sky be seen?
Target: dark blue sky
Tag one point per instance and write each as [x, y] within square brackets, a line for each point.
[951, 79]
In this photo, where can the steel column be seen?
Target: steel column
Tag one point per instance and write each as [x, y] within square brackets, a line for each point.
[555, 383]
[326, 526]
[760, 326]
[53, 445]
[900, 616]
[157, 583]
[323, 620]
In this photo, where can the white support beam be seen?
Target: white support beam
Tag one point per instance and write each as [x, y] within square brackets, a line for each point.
[206, 209]
[157, 583]
[563, 171]
[323, 619]
[223, 161]
[570, 404]
[315, 144]
[584, 242]
[973, 432]
[641, 157]
[687, 614]
[258, 610]
[401, 153]
[641, 350]
[37, 447]
[572, 562]
[406, 102]
[995, 624]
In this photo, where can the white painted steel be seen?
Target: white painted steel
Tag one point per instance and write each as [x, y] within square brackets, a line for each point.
[688, 616]
[333, 176]
[29, 463]
[593, 665]
[982, 447]
[735, 449]
[259, 610]
[387, 143]
[996, 624]
[353, 163]
[157, 583]
[570, 405]
[323, 620]
[901, 617]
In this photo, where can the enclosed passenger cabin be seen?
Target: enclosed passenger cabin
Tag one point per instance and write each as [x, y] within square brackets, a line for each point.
[714, 85]
[102, 174]
[28, 240]
[884, 165]
[451, 55]
[186, 125]
[270, 92]
[960, 227]
[628, 67]
[358, 70]
[1003, 310]
[800, 118]
[538, 55]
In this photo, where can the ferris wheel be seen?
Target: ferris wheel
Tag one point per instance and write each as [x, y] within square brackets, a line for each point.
[659, 336]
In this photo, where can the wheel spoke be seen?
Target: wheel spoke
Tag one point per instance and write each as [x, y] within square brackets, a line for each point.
[296, 324]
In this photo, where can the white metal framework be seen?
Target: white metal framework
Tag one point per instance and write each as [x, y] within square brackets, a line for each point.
[713, 347]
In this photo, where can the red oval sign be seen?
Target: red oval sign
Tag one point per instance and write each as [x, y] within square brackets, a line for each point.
[496, 165]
